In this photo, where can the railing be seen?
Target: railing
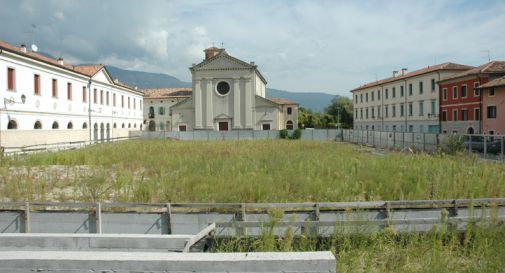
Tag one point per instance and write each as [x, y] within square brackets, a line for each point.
[237, 219]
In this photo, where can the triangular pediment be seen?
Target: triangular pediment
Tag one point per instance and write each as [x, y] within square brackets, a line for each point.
[222, 61]
[222, 116]
[103, 76]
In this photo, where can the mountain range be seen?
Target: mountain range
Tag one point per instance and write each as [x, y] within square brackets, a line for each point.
[144, 80]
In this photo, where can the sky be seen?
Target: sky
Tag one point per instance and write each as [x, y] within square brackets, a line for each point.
[303, 46]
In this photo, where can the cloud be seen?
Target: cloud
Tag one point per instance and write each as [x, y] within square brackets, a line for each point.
[300, 45]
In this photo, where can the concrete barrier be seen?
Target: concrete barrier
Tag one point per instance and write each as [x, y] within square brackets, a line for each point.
[58, 261]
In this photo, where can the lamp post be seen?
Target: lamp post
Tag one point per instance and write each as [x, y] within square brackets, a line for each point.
[8, 101]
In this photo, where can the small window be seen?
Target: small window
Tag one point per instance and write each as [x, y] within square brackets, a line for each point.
[101, 97]
[491, 112]
[289, 111]
[266, 127]
[122, 101]
[122, 125]
[55, 88]
[455, 115]
[433, 85]
[37, 125]
[84, 95]
[129, 125]
[411, 111]
[476, 91]
[129, 105]
[135, 104]
[55, 125]
[69, 91]
[12, 125]
[84, 125]
[476, 114]
[444, 115]
[70, 125]
[182, 128]
[289, 125]
[455, 92]
[36, 84]
[410, 89]
[464, 115]
[107, 98]
[444, 94]
[11, 78]
[161, 110]
[463, 91]
[491, 132]
[95, 96]
[114, 99]
[114, 125]
[491, 92]
[401, 91]
[421, 88]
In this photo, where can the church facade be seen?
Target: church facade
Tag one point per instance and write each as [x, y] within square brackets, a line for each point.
[230, 94]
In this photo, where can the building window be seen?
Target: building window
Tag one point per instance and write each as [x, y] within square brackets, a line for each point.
[182, 128]
[12, 125]
[101, 97]
[289, 125]
[265, 127]
[386, 111]
[393, 107]
[444, 94]
[129, 125]
[411, 128]
[402, 110]
[491, 132]
[366, 96]
[129, 103]
[84, 125]
[69, 91]
[444, 115]
[410, 89]
[11, 79]
[463, 91]
[379, 111]
[401, 91]
[373, 112]
[107, 98]
[356, 113]
[491, 92]
[223, 88]
[37, 125]
[55, 125]
[36, 84]
[411, 111]
[134, 104]
[122, 125]
[84, 95]
[122, 101]
[114, 99]
[387, 93]
[361, 97]
[373, 97]
[455, 92]
[433, 107]
[421, 88]
[361, 113]
[433, 85]
[290, 110]
[356, 99]
[378, 94]
[455, 115]
[394, 92]
[421, 108]
[55, 88]
[464, 114]
[94, 96]
[162, 126]
[366, 111]
[70, 125]
[476, 92]
[491, 111]
[476, 114]
[161, 110]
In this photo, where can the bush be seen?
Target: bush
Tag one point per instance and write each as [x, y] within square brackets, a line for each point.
[297, 134]
[283, 134]
[453, 145]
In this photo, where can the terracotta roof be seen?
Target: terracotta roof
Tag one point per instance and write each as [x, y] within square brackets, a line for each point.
[494, 83]
[488, 68]
[35, 55]
[89, 70]
[282, 101]
[169, 92]
[438, 67]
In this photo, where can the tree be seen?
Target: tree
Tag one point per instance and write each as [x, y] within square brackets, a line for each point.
[342, 109]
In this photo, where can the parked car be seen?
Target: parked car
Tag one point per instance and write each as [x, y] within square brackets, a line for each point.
[476, 144]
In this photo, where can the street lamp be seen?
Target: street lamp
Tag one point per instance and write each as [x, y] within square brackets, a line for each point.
[8, 101]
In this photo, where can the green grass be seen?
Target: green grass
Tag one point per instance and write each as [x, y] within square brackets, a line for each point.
[281, 171]
[244, 171]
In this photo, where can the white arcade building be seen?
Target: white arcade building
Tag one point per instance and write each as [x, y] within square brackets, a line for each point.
[44, 101]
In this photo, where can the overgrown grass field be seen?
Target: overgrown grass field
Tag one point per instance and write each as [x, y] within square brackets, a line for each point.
[244, 171]
[281, 171]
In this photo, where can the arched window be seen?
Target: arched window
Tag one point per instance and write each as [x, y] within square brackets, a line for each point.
[12, 125]
[140, 127]
[84, 125]
[70, 125]
[289, 125]
[470, 131]
[55, 125]
[152, 126]
[114, 126]
[129, 125]
[37, 125]
[135, 125]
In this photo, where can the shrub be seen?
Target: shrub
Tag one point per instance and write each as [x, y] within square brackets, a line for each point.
[283, 134]
[297, 134]
[453, 144]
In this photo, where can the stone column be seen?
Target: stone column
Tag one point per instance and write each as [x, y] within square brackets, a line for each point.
[248, 103]
[208, 97]
[236, 103]
[198, 104]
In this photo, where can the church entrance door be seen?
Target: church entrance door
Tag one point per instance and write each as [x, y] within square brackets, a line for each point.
[223, 126]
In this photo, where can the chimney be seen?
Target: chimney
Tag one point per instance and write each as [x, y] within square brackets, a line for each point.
[60, 61]
[404, 71]
[395, 73]
[23, 48]
[211, 52]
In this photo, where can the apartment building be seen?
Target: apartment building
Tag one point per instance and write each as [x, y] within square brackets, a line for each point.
[461, 102]
[493, 106]
[157, 104]
[405, 102]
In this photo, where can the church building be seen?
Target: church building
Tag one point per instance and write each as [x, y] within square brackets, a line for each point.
[229, 94]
